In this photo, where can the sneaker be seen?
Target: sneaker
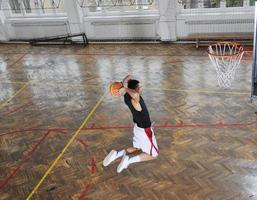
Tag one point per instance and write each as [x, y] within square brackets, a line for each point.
[123, 164]
[109, 158]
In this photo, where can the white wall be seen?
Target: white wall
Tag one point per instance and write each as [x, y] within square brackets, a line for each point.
[169, 23]
[30, 28]
[127, 27]
[177, 23]
[223, 23]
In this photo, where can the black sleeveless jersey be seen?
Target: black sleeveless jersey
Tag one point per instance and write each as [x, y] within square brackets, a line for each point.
[141, 118]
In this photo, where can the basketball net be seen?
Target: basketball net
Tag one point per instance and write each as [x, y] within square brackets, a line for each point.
[225, 56]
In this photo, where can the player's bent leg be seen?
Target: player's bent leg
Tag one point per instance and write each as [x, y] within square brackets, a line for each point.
[146, 157]
[126, 161]
[132, 151]
[113, 155]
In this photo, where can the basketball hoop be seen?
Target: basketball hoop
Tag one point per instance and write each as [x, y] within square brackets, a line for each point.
[225, 56]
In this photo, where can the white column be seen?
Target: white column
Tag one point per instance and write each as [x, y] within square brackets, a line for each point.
[167, 23]
[75, 16]
[2, 28]
[2, 17]
[5, 13]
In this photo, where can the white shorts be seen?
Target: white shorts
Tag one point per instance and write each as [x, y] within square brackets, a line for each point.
[145, 140]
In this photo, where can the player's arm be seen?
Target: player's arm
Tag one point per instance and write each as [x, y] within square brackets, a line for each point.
[120, 92]
[134, 95]
[126, 79]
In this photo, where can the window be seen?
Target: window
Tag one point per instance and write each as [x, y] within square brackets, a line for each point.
[15, 5]
[36, 6]
[190, 4]
[252, 2]
[234, 3]
[116, 5]
[213, 4]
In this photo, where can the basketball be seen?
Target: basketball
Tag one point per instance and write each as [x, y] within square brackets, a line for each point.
[115, 86]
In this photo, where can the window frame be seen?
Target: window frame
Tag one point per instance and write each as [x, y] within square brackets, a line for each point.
[39, 12]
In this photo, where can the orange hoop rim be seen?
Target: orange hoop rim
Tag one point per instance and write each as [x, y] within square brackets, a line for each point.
[247, 59]
[226, 56]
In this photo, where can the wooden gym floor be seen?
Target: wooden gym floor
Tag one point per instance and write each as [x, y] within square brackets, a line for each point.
[57, 123]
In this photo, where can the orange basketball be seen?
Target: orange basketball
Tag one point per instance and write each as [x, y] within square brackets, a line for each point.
[115, 86]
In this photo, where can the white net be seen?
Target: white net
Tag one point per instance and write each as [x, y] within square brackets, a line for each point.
[225, 56]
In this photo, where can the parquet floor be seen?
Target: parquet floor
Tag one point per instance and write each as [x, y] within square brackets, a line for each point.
[57, 123]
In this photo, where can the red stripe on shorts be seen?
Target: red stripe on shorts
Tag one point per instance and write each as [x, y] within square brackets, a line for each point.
[149, 134]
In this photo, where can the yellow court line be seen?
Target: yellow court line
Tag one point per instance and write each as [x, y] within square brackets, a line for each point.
[65, 148]
[16, 61]
[51, 84]
[13, 82]
[18, 92]
[198, 91]
[146, 88]
[70, 84]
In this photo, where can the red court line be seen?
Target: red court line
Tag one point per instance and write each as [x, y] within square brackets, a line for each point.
[82, 142]
[92, 166]
[59, 130]
[63, 130]
[23, 130]
[111, 54]
[126, 54]
[84, 192]
[29, 155]
[220, 124]
[24, 160]
[16, 109]
[166, 125]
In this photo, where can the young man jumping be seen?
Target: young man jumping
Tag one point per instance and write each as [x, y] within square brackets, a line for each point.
[144, 142]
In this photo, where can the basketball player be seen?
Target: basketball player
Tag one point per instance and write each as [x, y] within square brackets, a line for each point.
[144, 142]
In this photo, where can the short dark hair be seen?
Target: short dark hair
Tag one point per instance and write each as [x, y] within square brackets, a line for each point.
[132, 84]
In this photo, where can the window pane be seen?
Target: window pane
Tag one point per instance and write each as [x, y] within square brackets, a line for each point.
[234, 3]
[27, 6]
[36, 6]
[32, 6]
[190, 4]
[213, 4]
[118, 5]
[15, 6]
[53, 6]
[18, 5]
[252, 2]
